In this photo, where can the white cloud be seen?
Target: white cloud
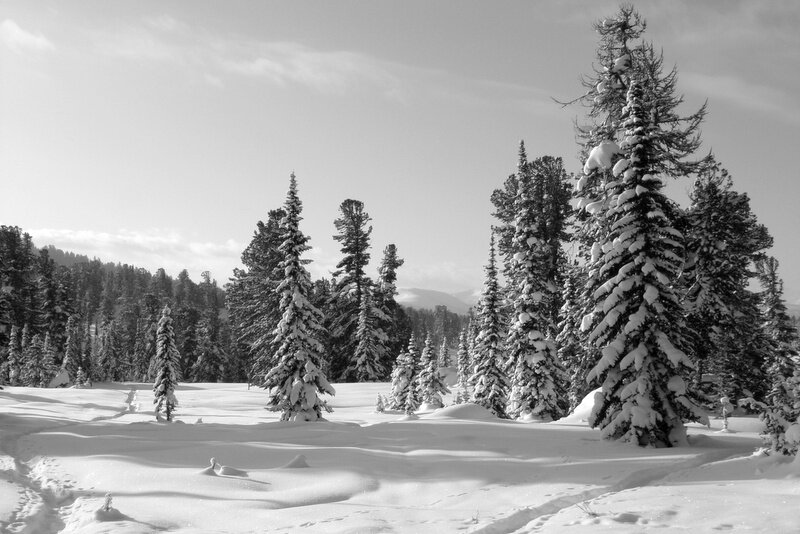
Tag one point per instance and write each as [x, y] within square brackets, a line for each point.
[19, 40]
[150, 249]
[326, 71]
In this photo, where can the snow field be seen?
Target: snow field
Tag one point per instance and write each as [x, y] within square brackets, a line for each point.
[457, 469]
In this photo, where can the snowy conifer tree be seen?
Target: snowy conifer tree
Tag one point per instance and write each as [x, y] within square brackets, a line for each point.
[72, 348]
[296, 382]
[393, 314]
[404, 377]
[637, 318]
[538, 381]
[444, 354]
[167, 366]
[430, 383]
[490, 384]
[48, 362]
[33, 355]
[367, 363]
[621, 55]
[462, 386]
[14, 357]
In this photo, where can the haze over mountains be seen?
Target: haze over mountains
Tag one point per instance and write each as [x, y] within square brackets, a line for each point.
[459, 303]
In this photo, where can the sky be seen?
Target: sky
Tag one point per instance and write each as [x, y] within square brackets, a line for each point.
[157, 133]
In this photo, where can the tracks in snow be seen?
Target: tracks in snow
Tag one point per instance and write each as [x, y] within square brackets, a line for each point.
[645, 477]
[42, 499]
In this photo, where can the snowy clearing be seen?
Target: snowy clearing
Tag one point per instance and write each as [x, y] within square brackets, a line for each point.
[457, 469]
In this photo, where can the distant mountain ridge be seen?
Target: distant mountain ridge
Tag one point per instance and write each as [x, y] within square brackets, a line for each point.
[428, 299]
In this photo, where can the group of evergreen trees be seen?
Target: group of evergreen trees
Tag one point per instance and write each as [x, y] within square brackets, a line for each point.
[361, 326]
[657, 307]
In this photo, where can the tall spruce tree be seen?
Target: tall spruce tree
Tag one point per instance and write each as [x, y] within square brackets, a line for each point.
[14, 358]
[430, 382]
[72, 347]
[296, 382]
[538, 381]
[354, 230]
[637, 320]
[489, 381]
[167, 365]
[463, 361]
[385, 301]
[621, 56]
[367, 364]
[404, 377]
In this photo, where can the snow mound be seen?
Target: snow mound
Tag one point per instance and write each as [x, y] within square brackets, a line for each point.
[112, 514]
[467, 411]
[582, 411]
[298, 462]
[232, 471]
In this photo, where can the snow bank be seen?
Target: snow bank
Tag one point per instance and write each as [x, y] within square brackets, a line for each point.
[467, 411]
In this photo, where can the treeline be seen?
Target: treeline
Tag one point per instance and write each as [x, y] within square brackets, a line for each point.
[98, 321]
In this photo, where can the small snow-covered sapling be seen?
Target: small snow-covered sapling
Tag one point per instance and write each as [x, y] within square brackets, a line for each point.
[379, 406]
[107, 504]
[726, 407]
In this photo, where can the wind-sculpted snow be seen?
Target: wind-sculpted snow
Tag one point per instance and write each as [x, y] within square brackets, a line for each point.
[456, 469]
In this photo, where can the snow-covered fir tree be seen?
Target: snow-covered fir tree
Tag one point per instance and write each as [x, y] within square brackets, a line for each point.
[33, 370]
[621, 55]
[49, 368]
[384, 296]
[463, 393]
[444, 354]
[352, 283]
[637, 320]
[367, 361]
[404, 376]
[81, 380]
[167, 366]
[489, 381]
[538, 381]
[296, 382]
[430, 382]
[72, 347]
[14, 358]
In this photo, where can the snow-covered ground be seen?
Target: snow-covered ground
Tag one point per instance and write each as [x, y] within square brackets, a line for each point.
[454, 470]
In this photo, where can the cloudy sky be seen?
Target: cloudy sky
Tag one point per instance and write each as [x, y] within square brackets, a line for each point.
[158, 133]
